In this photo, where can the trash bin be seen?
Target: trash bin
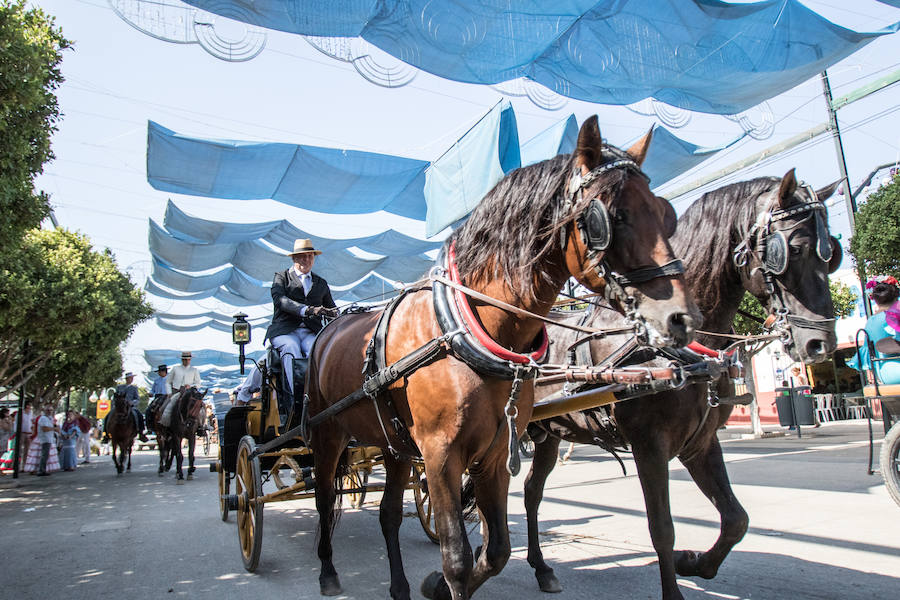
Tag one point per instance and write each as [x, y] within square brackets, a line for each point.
[803, 405]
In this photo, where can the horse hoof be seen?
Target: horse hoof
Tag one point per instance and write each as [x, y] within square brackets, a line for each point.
[160, 473]
[434, 587]
[548, 582]
[118, 473]
[687, 563]
[190, 477]
[179, 481]
[330, 586]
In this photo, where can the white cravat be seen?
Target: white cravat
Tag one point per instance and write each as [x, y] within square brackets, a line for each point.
[306, 280]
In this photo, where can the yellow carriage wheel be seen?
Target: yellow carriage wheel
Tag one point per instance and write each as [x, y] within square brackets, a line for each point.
[248, 487]
[224, 487]
[423, 503]
[355, 479]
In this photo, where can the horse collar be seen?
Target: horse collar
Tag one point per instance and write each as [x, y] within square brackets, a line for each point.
[470, 322]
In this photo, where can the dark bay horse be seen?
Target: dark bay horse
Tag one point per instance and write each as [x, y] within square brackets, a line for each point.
[122, 431]
[540, 225]
[681, 423]
[183, 425]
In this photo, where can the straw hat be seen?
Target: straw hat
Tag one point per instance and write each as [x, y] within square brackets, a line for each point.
[303, 245]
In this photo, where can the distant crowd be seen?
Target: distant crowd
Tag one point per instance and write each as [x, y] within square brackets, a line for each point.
[49, 442]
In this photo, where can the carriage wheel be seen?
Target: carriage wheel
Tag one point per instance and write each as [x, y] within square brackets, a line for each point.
[890, 462]
[423, 503]
[224, 487]
[355, 478]
[248, 486]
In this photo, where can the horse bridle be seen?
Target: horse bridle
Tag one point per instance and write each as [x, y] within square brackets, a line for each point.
[595, 227]
[771, 249]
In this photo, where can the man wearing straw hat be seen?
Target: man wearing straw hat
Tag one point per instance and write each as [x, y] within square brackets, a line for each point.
[301, 298]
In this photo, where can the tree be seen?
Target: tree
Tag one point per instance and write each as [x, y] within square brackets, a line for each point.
[30, 54]
[843, 298]
[876, 243]
[744, 325]
[64, 311]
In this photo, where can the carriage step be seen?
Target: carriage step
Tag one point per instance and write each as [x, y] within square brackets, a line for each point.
[742, 399]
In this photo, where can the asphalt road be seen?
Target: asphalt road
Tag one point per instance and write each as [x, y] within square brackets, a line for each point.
[820, 527]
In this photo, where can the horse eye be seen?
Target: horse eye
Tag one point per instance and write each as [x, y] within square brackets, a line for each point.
[620, 217]
[796, 251]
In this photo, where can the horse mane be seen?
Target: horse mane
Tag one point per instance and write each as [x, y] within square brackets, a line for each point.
[708, 232]
[515, 226]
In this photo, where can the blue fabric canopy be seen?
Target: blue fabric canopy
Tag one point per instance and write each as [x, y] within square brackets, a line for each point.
[282, 235]
[322, 179]
[670, 156]
[559, 138]
[457, 181]
[705, 55]
[216, 316]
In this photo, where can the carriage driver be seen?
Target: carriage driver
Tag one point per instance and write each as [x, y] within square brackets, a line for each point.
[301, 298]
[131, 396]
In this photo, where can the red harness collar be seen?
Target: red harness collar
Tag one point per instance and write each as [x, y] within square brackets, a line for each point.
[475, 328]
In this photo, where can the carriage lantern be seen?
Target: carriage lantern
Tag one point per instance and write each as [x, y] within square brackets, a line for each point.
[240, 335]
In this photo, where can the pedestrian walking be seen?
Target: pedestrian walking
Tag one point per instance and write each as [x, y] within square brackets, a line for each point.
[27, 433]
[41, 460]
[69, 436]
[83, 443]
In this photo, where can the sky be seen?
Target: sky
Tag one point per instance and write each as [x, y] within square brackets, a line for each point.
[118, 78]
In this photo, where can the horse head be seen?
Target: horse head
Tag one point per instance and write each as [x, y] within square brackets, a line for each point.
[617, 240]
[785, 260]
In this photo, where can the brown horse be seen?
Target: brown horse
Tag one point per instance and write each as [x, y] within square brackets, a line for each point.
[540, 225]
[681, 423]
[122, 431]
[183, 425]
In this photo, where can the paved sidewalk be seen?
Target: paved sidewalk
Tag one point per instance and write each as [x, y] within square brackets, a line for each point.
[820, 528]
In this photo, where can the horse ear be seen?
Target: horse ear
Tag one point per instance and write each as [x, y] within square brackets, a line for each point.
[825, 193]
[787, 189]
[638, 150]
[588, 150]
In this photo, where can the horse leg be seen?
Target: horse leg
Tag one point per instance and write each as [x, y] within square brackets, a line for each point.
[128, 449]
[444, 490]
[391, 516]
[491, 492]
[115, 457]
[161, 448]
[543, 462]
[653, 471]
[708, 471]
[328, 446]
[179, 456]
[192, 440]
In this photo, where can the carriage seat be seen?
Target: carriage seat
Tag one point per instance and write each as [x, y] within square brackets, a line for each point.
[885, 390]
[300, 365]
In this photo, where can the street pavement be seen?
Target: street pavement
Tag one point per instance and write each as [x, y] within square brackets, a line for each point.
[820, 527]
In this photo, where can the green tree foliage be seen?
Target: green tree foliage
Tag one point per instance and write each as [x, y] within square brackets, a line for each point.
[73, 306]
[876, 243]
[745, 325]
[30, 54]
[843, 298]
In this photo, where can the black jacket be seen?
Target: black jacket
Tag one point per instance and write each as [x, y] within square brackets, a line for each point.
[289, 300]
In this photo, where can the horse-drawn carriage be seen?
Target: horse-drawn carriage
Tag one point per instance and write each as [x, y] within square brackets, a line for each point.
[442, 379]
[259, 448]
[870, 358]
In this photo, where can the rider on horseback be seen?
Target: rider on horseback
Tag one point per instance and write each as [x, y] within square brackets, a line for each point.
[131, 396]
[159, 393]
